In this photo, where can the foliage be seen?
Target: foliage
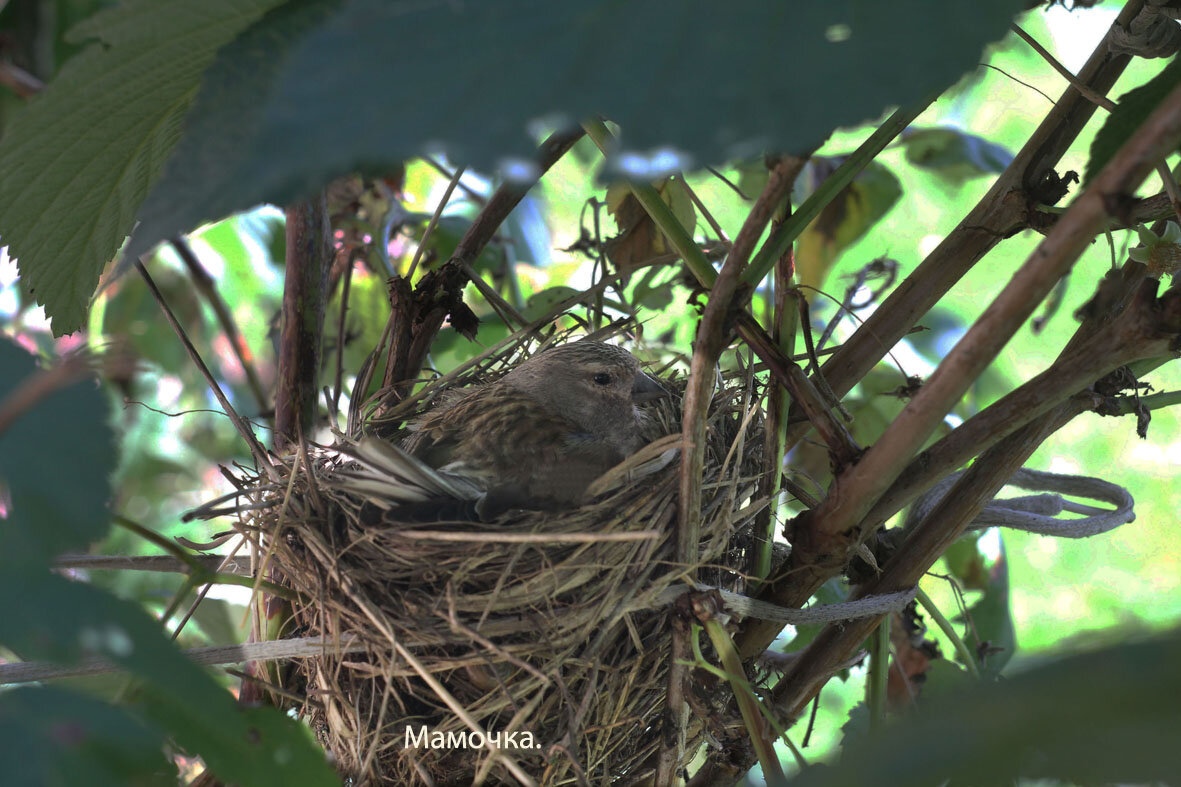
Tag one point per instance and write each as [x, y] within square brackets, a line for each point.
[175, 114]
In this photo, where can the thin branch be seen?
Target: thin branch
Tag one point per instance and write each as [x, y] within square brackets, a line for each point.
[163, 563]
[1101, 101]
[430, 227]
[1085, 90]
[649, 199]
[257, 451]
[419, 314]
[225, 318]
[713, 223]
[33, 390]
[728, 182]
[957, 642]
[341, 329]
[466, 189]
[19, 81]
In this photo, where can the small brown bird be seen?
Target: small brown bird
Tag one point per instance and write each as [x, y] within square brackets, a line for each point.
[542, 433]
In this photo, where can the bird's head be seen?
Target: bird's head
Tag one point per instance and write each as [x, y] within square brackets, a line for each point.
[595, 385]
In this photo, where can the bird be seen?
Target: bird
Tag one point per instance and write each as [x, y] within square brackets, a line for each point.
[538, 436]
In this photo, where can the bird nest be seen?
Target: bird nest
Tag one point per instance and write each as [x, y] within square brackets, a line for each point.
[533, 647]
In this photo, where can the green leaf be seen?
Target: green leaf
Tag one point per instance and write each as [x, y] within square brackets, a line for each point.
[851, 214]
[61, 621]
[257, 133]
[53, 737]
[991, 619]
[1132, 109]
[954, 155]
[540, 303]
[1105, 716]
[78, 161]
[56, 459]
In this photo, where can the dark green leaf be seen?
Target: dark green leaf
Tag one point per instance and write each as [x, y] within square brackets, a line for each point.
[1130, 111]
[56, 459]
[1106, 716]
[953, 154]
[78, 162]
[62, 621]
[674, 77]
[53, 737]
[540, 303]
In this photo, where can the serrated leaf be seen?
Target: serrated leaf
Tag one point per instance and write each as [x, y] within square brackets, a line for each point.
[952, 154]
[56, 459]
[1132, 109]
[851, 214]
[77, 163]
[1106, 716]
[257, 133]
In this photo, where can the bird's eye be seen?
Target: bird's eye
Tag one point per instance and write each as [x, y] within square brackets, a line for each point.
[602, 378]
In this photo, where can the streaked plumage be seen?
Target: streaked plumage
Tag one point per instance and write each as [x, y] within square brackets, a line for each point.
[540, 434]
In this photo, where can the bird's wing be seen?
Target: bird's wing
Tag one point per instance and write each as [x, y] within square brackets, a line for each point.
[385, 474]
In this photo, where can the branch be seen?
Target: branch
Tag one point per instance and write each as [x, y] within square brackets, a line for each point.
[999, 214]
[712, 338]
[787, 232]
[930, 539]
[418, 314]
[823, 535]
[305, 294]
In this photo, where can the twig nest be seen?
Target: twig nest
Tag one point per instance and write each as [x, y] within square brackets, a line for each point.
[540, 634]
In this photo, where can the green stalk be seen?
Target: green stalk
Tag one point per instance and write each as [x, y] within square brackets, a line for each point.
[788, 322]
[957, 642]
[879, 673]
[747, 703]
[789, 230]
[682, 242]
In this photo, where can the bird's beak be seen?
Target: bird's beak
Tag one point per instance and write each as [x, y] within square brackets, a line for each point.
[645, 388]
